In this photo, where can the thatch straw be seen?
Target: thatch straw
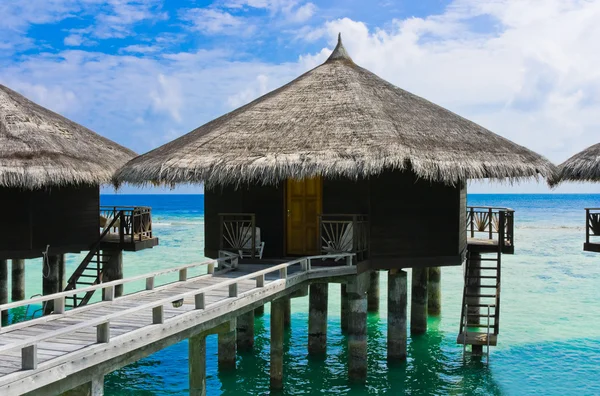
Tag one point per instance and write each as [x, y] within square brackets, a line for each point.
[583, 166]
[335, 120]
[39, 148]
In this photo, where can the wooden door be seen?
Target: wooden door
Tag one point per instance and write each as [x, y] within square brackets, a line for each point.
[303, 204]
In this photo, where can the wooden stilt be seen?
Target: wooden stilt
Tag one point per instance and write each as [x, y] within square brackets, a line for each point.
[260, 311]
[276, 369]
[287, 313]
[50, 279]
[344, 308]
[113, 269]
[317, 319]
[474, 289]
[226, 349]
[18, 279]
[197, 364]
[434, 291]
[357, 327]
[397, 301]
[418, 310]
[373, 295]
[245, 331]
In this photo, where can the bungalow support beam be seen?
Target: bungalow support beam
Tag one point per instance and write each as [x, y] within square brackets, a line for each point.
[245, 331]
[18, 279]
[197, 364]
[397, 304]
[287, 313]
[50, 278]
[418, 314]
[113, 269]
[434, 291]
[373, 295]
[344, 309]
[317, 319]
[260, 311]
[95, 387]
[4, 286]
[277, 328]
[226, 348]
[357, 327]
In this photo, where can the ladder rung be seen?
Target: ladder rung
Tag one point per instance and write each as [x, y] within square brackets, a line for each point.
[485, 259]
[481, 306]
[85, 283]
[480, 295]
[88, 276]
[488, 286]
[484, 268]
[479, 325]
[491, 315]
[482, 277]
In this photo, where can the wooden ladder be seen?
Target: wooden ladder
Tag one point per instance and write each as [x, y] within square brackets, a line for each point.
[480, 314]
[90, 270]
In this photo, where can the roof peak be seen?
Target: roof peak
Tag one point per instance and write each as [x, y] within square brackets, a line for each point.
[339, 52]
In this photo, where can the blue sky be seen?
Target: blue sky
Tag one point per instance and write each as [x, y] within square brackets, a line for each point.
[143, 72]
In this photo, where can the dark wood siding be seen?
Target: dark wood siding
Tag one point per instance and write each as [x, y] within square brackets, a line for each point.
[66, 219]
[413, 218]
[345, 196]
[266, 202]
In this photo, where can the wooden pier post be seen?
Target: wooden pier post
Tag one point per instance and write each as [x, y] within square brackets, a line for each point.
[276, 368]
[357, 327]
[260, 311]
[93, 388]
[373, 295]
[344, 308]
[245, 331]
[287, 312]
[418, 307]
[434, 291]
[197, 364]
[317, 319]
[113, 269]
[18, 279]
[397, 302]
[50, 280]
[473, 288]
[226, 348]
[4, 286]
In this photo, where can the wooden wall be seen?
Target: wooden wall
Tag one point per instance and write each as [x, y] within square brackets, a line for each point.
[266, 202]
[65, 218]
[414, 222]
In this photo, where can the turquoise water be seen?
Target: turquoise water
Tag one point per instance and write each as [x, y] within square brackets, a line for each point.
[549, 329]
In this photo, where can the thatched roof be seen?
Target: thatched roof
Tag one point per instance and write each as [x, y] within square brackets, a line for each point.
[583, 166]
[335, 120]
[39, 148]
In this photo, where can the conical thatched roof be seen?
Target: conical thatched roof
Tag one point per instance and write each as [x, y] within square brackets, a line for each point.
[335, 120]
[39, 148]
[583, 166]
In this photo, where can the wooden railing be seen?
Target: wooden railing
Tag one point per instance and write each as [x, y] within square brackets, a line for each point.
[592, 225]
[28, 346]
[492, 223]
[238, 233]
[134, 224]
[341, 233]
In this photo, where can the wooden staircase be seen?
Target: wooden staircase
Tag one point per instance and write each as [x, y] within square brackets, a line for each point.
[91, 270]
[480, 315]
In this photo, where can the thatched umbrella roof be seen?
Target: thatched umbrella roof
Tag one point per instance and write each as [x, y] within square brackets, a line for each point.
[39, 148]
[583, 166]
[338, 119]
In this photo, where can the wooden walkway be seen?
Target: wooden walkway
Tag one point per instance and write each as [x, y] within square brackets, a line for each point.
[44, 354]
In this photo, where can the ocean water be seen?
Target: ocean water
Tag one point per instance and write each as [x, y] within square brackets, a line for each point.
[549, 339]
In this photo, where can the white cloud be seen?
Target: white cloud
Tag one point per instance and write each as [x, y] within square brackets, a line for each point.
[294, 11]
[167, 96]
[73, 40]
[211, 21]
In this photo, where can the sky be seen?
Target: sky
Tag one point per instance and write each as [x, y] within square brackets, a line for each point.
[144, 72]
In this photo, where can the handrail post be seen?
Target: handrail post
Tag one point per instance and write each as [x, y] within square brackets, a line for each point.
[260, 280]
[183, 275]
[472, 222]
[211, 268]
[121, 226]
[490, 222]
[158, 315]
[283, 273]
[587, 226]
[501, 225]
[199, 301]
[233, 290]
[253, 219]
[103, 332]
[108, 293]
[59, 305]
[29, 359]
[150, 283]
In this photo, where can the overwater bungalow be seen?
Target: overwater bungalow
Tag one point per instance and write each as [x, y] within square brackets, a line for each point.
[340, 160]
[585, 167]
[51, 169]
